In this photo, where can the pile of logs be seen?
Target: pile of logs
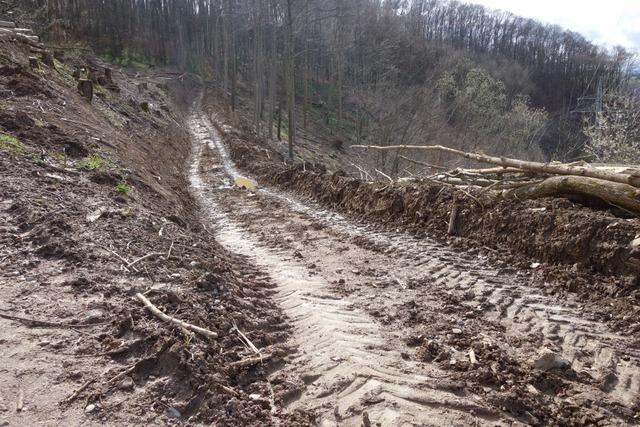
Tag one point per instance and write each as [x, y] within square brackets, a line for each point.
[9, 31]
[618, 186]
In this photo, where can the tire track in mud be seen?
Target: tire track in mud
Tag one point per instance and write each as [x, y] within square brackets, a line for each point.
[344, 357]
[352, 364]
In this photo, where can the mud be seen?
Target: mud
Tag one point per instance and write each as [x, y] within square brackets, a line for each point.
[361, 310]
[568, 249]
[88, 189]
[387, 322]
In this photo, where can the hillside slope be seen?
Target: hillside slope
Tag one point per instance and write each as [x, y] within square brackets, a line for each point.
[94, 207]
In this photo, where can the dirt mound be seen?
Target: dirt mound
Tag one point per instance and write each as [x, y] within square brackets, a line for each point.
[551, 231]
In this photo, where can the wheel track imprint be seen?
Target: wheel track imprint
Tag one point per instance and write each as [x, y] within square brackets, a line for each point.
[349, 362]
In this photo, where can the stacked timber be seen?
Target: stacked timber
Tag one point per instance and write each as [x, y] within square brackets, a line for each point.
[9, 31]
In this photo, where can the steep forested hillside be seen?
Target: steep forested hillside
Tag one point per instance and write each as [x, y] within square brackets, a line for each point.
[382, 71]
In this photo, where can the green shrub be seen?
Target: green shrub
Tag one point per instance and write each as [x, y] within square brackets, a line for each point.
[92, 163]
[123, 188]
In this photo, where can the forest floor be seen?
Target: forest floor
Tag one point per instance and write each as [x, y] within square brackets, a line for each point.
[326, 313]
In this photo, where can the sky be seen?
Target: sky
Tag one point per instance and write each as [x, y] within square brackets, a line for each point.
[610, 22]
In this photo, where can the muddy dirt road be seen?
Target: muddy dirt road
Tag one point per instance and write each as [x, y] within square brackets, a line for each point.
[394, 329]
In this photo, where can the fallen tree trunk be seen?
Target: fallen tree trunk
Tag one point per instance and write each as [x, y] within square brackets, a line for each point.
[619, 195]
[489, 171]
[546, 168]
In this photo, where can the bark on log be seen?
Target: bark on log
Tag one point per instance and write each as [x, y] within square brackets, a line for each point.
[489, 171]
[546, 168]
[619, 195]
[30, 40]
[7, 24]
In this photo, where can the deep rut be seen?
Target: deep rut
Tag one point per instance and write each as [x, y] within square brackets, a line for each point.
[351, 363]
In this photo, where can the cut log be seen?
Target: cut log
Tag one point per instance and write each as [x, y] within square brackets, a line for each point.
[488, 171]
[623, 196]
[545, 168]
[30, 40]
[7, 24]
[34, 63]
[85, 87]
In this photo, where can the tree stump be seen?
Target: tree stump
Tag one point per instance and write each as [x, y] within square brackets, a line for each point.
[85, 88]
[47, 59]
[34, 63]
[93, 75]
[108, 75]
[77, 73]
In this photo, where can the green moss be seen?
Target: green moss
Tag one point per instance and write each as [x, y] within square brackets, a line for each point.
[12, 144]
[65, 71]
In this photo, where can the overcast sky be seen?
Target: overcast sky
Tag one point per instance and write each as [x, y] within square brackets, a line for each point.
[606, 22]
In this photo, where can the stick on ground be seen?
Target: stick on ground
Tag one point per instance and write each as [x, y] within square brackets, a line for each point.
[153, 309]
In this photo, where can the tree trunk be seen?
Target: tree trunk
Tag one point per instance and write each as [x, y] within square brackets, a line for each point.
[620, 195]
[632, 178]
[273, 67]
[291, 83]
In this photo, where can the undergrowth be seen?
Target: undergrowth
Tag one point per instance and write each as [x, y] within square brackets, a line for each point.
[123, 188]
[12, 144]
[92, 163]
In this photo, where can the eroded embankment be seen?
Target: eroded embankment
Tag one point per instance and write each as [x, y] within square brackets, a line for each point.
[401, 328]
[582, 250]
[94, 207]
